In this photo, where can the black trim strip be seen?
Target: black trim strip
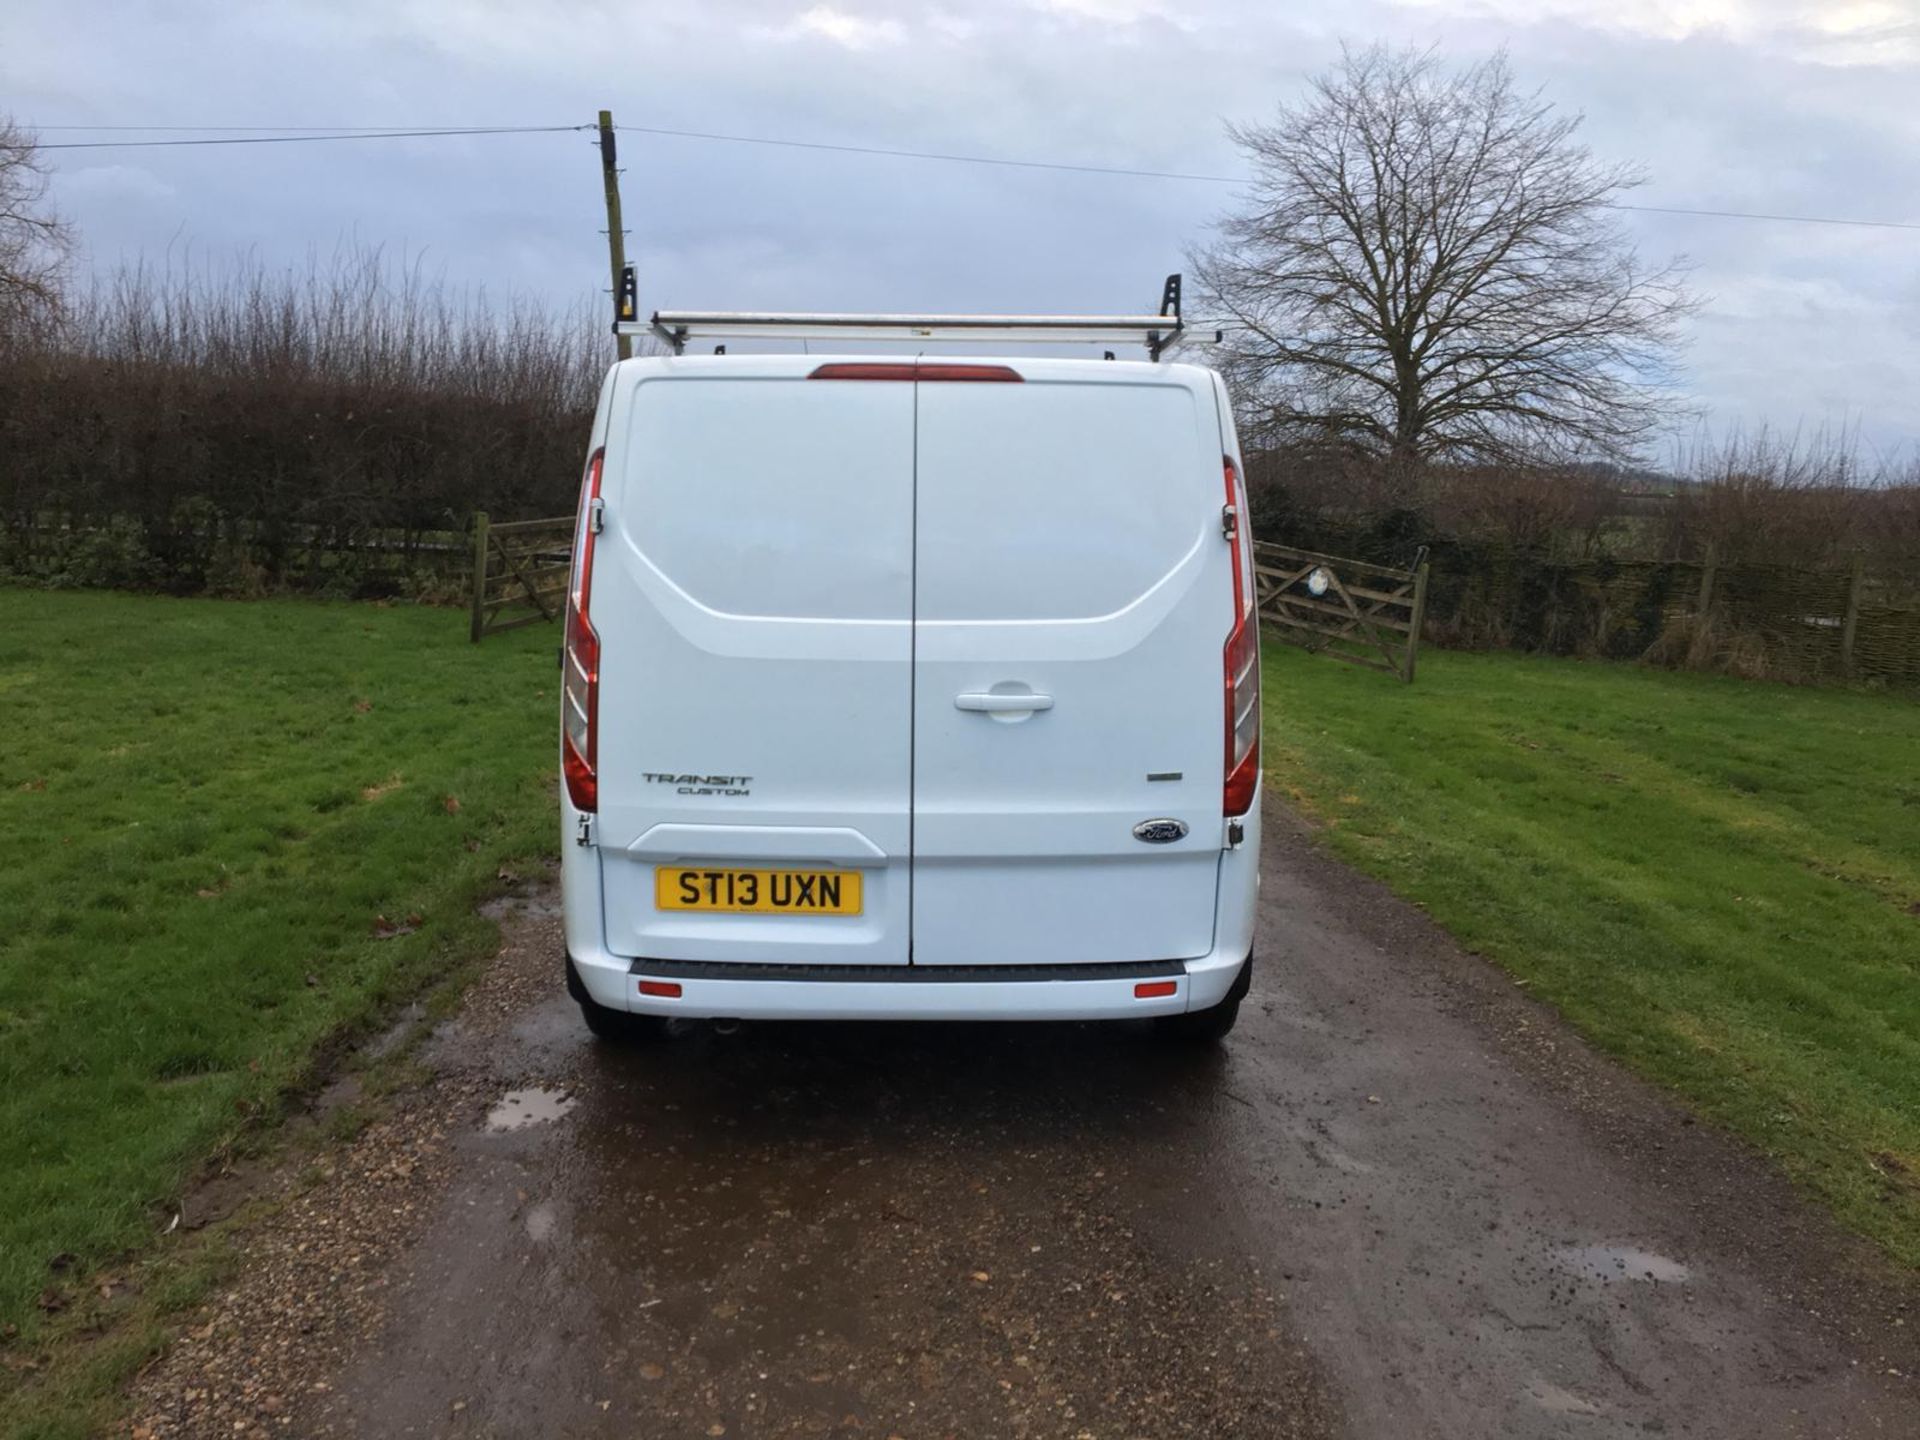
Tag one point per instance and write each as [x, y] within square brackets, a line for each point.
[904, 974]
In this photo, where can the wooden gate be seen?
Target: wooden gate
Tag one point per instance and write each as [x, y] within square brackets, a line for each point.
[519, 572]
[1364, 614]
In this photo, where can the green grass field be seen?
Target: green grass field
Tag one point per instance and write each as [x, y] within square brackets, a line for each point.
[233, 833]
[229, 834]
[1718, 881]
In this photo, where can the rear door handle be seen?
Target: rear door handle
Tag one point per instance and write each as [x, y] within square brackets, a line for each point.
[1001, 704]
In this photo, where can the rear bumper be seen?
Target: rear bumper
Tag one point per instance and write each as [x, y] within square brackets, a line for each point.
[751, 992]
[725, 989]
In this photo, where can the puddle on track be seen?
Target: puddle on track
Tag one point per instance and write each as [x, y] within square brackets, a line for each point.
[535, 1105]
[1556, 1401]
[540, 1222]
[541, 904]
[1608, 1263]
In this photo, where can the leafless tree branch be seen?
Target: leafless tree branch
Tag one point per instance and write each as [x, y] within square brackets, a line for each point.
[35, 243]
[1427, 268]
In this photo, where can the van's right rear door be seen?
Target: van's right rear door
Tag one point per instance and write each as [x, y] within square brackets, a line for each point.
[1073, 591]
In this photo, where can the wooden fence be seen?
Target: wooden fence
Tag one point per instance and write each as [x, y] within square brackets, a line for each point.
[1771, 621]
[1760, 621]
[1857, 622]
[520, 572]
[1367, 615]
[1807, 624]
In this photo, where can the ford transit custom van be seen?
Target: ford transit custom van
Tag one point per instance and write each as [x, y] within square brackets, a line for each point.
[918, 688]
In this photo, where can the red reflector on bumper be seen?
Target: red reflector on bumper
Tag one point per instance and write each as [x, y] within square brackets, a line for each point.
[1155, 989]
[665, 989]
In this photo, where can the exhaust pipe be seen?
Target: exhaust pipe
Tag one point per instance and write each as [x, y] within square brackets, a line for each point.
[726, 1025]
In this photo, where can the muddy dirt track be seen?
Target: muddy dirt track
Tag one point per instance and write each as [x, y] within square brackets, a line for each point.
[1401, 1202]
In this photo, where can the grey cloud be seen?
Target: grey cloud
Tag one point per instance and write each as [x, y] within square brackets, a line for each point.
[1812, 324]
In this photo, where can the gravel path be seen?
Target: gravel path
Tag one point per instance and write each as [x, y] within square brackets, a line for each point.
[1403, 1201]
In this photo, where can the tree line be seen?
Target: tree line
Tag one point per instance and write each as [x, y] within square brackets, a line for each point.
[240, 430]
[1435, 327]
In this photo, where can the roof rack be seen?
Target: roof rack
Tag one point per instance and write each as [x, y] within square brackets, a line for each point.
[677, 327]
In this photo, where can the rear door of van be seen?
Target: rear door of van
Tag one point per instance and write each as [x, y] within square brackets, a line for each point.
[753, 589]
[1073, 590]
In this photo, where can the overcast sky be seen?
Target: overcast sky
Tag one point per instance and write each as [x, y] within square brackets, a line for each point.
[1783, 106]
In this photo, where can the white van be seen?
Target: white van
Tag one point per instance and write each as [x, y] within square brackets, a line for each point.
[917, 688]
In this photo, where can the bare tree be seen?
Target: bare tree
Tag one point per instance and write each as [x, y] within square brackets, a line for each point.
[35, 243]
[1428, 267]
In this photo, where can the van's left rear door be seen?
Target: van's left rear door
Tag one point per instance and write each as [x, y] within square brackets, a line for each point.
[753, 589]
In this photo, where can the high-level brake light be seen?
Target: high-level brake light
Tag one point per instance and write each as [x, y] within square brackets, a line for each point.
[910, 370]
[1241, 658]
[580, 686]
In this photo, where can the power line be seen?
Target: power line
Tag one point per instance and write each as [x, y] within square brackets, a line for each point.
[296, 134]
[1758, 215]
[287, 129]
[305, 138]
[938, 155]
[1190, 175]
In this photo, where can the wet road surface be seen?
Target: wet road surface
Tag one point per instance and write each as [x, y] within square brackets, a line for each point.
[920, 1231]
[1402, 1201]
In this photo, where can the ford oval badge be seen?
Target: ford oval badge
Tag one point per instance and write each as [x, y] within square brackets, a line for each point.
[1160, 832]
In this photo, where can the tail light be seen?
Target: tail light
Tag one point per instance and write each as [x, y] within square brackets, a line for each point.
[1241, 657]
[580, 687]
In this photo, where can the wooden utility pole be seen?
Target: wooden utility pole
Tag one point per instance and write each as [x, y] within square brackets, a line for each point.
[616, 236]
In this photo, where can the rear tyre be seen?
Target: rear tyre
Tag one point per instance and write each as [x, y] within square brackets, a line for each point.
[1209, 1026]
[1199, 1027]
[615, 1027]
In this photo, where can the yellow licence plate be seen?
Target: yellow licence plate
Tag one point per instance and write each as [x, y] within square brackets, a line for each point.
[758, 892]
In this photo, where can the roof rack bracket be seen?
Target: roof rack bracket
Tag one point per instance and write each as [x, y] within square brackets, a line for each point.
[677, 327]
[1169, 305]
